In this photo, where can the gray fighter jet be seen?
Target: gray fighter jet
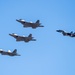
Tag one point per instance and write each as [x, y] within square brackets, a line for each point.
[23, 38]
[71, 34]
[30, 24]
[9, 53]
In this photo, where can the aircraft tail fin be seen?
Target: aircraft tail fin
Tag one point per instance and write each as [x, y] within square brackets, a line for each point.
[15, 51]
[30, 35]
[38, 21]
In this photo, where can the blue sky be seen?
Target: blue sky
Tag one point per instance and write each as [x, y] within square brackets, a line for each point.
[52, 53]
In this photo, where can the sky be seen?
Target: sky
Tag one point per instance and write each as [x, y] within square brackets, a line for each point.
[51, 53]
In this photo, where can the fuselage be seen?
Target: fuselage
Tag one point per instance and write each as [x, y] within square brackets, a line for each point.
[33, 25]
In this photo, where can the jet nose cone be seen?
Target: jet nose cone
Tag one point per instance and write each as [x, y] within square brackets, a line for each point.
[57, 30]
[9, 34]
[60, 31]
[17, 20]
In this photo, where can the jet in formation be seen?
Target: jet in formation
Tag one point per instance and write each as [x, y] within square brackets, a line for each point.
[71, 34]
[30, 24]
[9, 53]
[23, 38]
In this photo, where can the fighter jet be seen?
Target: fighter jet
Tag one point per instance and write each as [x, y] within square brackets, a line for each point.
[9, 53]
[30, 24]
[71, 34]
[23, 38]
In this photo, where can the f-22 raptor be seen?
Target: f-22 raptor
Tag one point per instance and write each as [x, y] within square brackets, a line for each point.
[9, 53]
[30, 24]
[71, 34]
[23, 38]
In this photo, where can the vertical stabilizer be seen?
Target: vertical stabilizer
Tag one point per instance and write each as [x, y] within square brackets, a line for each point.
[15, 51]
[30, 35]
[38, 21]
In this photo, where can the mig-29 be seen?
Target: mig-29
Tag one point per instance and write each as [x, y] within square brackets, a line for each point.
[30, 24]
[71, 34]
[23, 38]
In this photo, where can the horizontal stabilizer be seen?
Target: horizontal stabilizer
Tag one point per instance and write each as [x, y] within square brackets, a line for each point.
[33, 39]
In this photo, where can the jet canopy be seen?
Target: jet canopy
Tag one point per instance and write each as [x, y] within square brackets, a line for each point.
[1, 49]
[14, 34]
[22, 20]
[31, 22]
[9, 51]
